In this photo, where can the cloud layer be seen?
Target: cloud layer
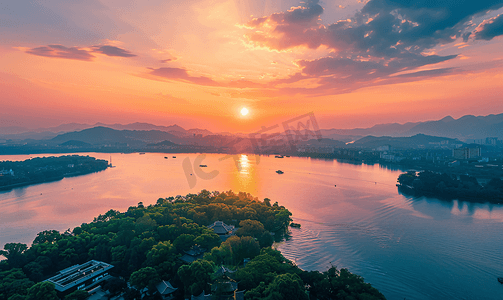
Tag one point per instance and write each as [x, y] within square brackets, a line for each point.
[383, 40]
[60, 51]
[113, 51]
[489, 29]
[181, 74]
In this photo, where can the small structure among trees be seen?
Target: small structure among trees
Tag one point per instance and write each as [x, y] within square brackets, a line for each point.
[166, 290]
[222, 229]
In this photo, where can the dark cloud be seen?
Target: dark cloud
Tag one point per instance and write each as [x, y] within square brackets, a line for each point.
[381, 28]
[490, 28]
[385, 38]
[166, 60]
[113, 51]
[419, 24]
[182, 75]
[60, 51]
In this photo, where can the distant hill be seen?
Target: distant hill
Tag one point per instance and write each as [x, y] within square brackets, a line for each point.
[416, 141]
[466, 127]
[322, 142]
[75, 143]
[103, 135]
[12, 130]
[163, 143]
[391, 129]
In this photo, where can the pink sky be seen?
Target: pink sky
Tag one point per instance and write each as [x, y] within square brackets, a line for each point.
[197, 63]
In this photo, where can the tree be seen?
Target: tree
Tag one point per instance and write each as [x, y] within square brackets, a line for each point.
[162, 257]
[242, 247]
[34, 271]
[42, 290]
[144, 278]
[196, 276]
[184, 242]
[14, 253]
[334, 284]
[208, 240]
[12, 282]
[77, 295]
[17, 297]
[47, 236]
[282, 220]
[252, 228]
[286, 287]
[115, 286]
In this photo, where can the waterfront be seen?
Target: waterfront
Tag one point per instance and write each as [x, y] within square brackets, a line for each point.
[407, 248]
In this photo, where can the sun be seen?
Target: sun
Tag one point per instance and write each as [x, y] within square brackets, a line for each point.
[244, 111]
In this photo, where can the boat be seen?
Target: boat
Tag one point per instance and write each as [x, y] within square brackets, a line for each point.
[174, 156]
[203, 166]
[141, 153]
[279, 156]
[280, 172]
[500, 280]
[335, 185]
[295, 225]
[165, 157]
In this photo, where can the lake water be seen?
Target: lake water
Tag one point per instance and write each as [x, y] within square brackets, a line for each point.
[407, 248]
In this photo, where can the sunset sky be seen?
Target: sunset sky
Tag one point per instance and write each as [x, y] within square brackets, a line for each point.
[198, 63]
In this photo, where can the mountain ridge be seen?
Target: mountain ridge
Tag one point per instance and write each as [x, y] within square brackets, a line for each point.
[464, 128]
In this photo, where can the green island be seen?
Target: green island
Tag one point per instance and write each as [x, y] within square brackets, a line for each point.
[15, 174]
[445, 186]
[211, 245]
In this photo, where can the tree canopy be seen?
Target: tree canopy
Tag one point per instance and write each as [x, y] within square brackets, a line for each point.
[145, 244]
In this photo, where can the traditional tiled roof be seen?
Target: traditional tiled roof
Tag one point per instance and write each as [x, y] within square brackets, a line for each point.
[202, 296]
[165, 288]
[221, 228]
[225, 287]
[223, 270]
[239, 295]
[195, 251]
[193, 254]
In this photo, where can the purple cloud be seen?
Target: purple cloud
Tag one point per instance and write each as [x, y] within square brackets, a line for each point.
[60, 51]
[113, 51]
[182, 75]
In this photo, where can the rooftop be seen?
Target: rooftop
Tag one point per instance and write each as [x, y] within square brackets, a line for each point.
[221, 228]
[165, 288]
[78, 274]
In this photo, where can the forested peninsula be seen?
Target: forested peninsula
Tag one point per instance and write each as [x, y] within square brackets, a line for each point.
[211, 245]
[15, 174]
[445, 186]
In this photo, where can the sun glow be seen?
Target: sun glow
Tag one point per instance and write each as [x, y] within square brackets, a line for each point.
[244, 111]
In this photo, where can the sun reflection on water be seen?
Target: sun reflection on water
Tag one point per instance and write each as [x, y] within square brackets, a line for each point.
[244, 164]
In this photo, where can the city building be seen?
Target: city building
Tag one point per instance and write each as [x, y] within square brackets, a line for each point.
[7, 172]
[466, 153]
[81, 277]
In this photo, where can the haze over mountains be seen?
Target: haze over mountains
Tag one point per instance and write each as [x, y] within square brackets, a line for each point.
[465, 128]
